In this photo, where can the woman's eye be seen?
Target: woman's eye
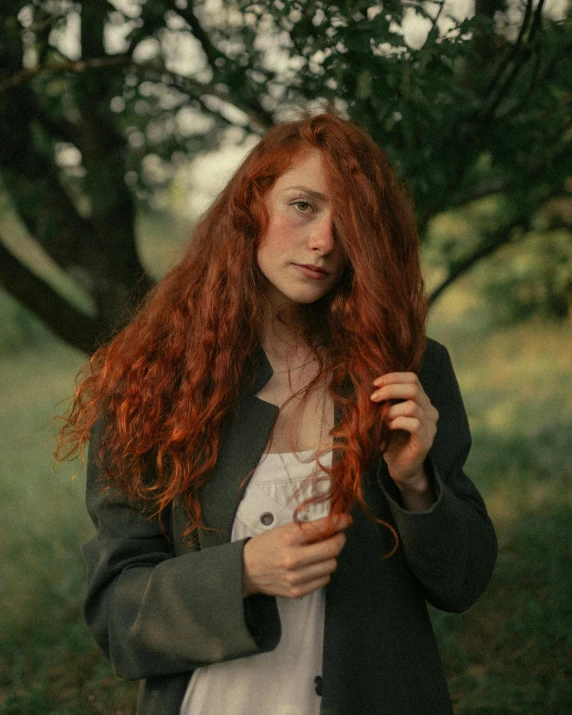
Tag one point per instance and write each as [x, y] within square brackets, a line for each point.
[303, 206]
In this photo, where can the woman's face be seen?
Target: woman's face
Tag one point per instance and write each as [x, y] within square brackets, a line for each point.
[298, 254]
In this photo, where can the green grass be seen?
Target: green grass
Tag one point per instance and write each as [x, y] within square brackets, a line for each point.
[48, 661]
[511, 653]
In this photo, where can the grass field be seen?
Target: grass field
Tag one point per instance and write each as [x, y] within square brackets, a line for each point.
[511, 653]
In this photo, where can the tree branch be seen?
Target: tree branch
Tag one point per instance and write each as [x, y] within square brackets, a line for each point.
[487, 248]
[60, 128]
[434, 21]
[63, 319]
[257, 113]
[517, 67]
[75, 67]
[191, 86]
[540, 77]
[494, 186]
[260, 119]
[212, 53]
[47, 211]
[535, 21]
[494, 241]
[513, 51]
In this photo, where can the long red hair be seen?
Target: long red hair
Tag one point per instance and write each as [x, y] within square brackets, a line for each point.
[167, 380]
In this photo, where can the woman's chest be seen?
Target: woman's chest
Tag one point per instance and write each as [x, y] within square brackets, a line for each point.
[303, 423]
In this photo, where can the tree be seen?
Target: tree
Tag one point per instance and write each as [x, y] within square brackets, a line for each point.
[465, 109]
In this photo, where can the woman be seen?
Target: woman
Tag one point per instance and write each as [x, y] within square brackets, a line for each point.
[275, 469]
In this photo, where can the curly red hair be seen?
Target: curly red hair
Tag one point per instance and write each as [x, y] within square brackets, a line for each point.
[167, 380]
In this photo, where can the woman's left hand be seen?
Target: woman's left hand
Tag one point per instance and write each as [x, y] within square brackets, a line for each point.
[413, 421]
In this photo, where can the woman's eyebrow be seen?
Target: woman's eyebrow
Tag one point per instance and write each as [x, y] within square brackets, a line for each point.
[312, 194]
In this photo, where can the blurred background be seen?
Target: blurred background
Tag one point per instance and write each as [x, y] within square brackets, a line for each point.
[120, 120]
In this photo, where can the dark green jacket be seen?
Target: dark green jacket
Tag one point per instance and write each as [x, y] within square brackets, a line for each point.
[159, 609]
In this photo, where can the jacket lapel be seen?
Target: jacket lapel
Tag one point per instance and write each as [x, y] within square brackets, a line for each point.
[243, 441]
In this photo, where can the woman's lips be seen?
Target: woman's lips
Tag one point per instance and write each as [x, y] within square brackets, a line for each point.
[305, 270]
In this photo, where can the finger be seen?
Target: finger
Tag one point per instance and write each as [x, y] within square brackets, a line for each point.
[305, 589]
[312, 553]
[310, 573]
[323, 528]
[408, 408]
[401, 391]
[407, 424]
[414, 427]
[323, 550]
[401, 377]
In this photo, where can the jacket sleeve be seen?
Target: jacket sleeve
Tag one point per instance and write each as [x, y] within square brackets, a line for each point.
[451, 548]
[154, 613]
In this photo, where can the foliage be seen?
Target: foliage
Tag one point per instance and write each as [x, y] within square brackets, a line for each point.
[528, 276]
[103, 100]
[535, 281]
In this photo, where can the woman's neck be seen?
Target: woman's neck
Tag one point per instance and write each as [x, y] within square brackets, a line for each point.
[282, 340]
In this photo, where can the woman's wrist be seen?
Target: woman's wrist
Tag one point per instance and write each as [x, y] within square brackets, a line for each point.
[248, 588]
[417, 494]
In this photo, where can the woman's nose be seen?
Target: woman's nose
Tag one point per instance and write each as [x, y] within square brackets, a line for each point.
[322, 235]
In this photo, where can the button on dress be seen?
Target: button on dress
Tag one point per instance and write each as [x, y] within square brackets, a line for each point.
[282, 681]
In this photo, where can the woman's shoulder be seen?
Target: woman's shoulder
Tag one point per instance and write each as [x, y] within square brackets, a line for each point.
[435, 361]
[434, 353]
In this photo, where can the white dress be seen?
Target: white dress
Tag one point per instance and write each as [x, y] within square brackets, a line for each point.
[280, 682]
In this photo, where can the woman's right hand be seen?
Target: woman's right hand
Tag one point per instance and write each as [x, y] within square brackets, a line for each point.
[295, 559]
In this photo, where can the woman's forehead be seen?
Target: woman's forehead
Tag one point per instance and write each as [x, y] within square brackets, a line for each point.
[305, 171]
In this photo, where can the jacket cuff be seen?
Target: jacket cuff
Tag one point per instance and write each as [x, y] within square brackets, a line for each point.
[262, 618]
[423, 533]
[393, 495]
[428, 536]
